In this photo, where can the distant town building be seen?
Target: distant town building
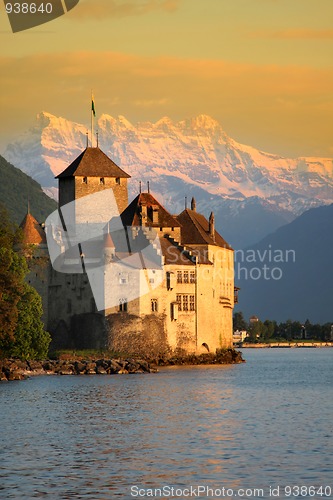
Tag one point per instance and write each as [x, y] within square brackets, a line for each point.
[239, 336]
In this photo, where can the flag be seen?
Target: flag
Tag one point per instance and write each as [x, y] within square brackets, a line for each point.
[93, 105]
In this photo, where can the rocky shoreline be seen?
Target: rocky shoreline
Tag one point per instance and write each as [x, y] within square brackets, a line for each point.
[15, 369]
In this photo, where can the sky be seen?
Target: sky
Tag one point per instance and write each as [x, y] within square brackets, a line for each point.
[262, 68]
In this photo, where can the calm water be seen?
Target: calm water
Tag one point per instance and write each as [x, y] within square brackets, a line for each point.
[264, 423]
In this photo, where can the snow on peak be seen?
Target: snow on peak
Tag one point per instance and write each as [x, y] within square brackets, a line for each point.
[165, 120]
[125, 123]
[196, 151]
[204, 122]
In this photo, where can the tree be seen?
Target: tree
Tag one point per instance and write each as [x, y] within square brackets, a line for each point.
[256, 331]
[13, 268]
[31, 341]
[239, 322]
[21, 328]
[270, 329]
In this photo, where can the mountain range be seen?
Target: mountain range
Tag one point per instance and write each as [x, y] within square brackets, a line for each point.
[251, 192]
[289, 274]
[286, 275]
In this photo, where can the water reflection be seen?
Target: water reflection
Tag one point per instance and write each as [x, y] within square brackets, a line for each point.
[242, 426]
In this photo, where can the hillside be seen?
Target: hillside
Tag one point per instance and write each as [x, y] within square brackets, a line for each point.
[298, 281]
[16, 188]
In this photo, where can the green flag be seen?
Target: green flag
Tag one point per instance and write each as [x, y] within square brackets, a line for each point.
[93, 105]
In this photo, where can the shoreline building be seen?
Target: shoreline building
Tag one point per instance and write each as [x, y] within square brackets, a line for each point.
[164, 282]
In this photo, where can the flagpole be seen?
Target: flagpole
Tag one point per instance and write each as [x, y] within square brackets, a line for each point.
[92, 117]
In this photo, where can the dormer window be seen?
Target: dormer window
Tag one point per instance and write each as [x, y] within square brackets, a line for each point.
[102, 181]
[118, 180]
[85, 180]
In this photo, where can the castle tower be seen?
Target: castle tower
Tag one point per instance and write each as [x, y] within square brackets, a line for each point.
[37, 259]
[215, 278]
[92, 172]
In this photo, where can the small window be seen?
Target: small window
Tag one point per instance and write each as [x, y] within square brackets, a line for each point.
[117, 180]
[185, 276]
[179, 302]
[102, 181]
[185, 302]
[179, 277]
[170, 277]
[192, 277]
[192, 303]
[123, 278]
[123, 305]
[151, 280]
[154, 305]
[85, 180]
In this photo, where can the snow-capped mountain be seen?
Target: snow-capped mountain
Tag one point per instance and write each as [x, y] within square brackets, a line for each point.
[193, 156]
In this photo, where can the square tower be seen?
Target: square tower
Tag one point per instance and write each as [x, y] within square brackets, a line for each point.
[92, 172]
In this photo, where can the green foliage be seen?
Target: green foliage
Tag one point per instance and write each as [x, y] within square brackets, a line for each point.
[31, 341]
[285, 331]
[21, 329]
[256, 331]
[16, 188]
[270, 329]
[13, 269]
[239, 322]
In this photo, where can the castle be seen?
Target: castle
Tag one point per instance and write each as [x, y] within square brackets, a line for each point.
[164, 282]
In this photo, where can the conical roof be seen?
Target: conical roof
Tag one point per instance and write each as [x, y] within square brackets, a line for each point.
[33, 234]
[108, 241]
[92, 162]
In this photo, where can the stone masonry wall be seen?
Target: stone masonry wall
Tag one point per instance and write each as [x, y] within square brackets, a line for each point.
[131, 334]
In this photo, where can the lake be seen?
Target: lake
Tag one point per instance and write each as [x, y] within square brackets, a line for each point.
[262, 429]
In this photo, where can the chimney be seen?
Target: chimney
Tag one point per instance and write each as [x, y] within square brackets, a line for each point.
[193, 205]
[155, 214]
[212, 226]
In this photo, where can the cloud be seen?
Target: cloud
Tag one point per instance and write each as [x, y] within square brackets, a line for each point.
[295, 34]
[102, 9]
[148, 103]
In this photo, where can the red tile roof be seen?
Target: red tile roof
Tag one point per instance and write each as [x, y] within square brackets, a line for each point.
[195, 230]
[131, 216]
[92, 162]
